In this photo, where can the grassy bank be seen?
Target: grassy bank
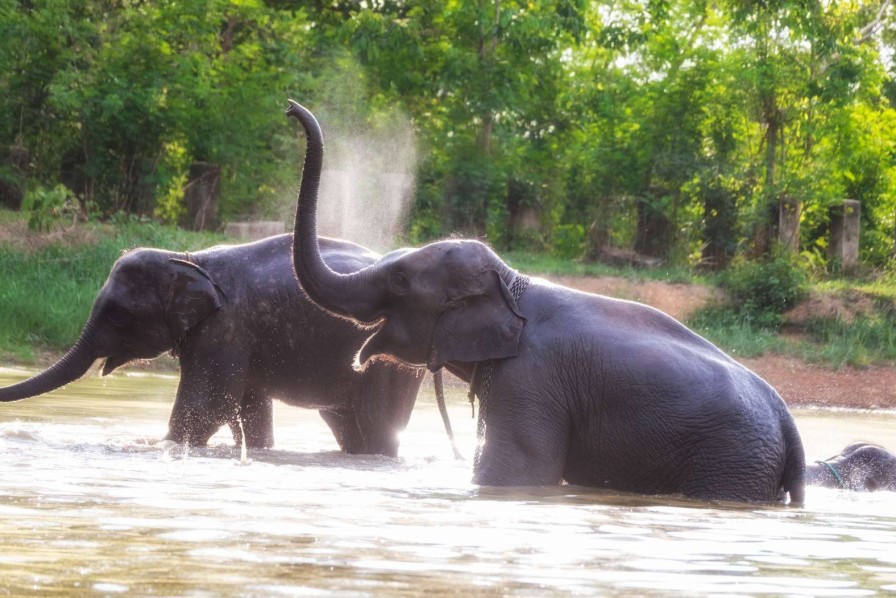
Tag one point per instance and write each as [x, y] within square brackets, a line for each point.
[832, 327]
[48, 283]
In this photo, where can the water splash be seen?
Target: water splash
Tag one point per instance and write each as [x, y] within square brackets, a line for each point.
[367, 184]
[244, 455]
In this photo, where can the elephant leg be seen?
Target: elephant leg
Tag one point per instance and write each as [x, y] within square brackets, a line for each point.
[383, 405]
[519, 459]
[525, 441]
[207, 397]
[345, 428]
[257, 416]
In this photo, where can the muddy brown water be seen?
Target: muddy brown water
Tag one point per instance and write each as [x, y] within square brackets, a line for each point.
[89, 505]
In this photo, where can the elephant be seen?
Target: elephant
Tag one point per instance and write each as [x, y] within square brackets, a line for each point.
[244, 333]
[573, 387]
[860, 466]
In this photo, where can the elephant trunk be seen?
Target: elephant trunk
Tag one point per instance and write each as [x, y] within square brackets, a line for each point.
[69, 368]
[348, 295]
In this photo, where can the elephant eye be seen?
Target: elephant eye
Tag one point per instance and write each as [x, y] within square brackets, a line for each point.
[118, 316]
[399, 283]
[453, 302]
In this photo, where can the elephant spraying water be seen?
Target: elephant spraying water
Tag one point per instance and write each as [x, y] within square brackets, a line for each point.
[573, 387]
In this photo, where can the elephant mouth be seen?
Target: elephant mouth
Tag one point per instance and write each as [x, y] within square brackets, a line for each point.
[113, 362]
[116, 361]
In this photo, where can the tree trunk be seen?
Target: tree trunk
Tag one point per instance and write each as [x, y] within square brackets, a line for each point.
[767, 225]
[524, 219]
[201, 196]
[600, 229]
[12, 187]
[653, 236]
[719, 221]
[788, 225]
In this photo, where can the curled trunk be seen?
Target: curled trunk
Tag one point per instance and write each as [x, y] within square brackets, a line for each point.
[349, 295]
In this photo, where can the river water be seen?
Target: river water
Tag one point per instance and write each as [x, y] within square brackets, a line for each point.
[89, 505]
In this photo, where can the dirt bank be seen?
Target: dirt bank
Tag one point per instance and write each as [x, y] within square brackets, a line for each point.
[679, 300]
[873, 387]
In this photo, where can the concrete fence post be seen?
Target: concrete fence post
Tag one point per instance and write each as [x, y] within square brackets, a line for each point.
[843, 246]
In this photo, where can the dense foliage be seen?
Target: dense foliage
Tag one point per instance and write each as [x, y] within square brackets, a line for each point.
[670, 128]
[762, 291]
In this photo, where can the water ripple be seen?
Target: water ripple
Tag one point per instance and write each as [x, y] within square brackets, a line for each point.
[90, 503]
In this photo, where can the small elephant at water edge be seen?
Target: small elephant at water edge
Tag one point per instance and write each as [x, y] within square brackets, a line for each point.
[573, 386]
[244, 334]
[860, 466]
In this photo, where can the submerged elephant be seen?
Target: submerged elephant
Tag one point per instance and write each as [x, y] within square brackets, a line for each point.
[859, 466]
[244, 334]
[576, 387]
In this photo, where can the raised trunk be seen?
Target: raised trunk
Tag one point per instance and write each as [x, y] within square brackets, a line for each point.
[69, 368]
[348, 295]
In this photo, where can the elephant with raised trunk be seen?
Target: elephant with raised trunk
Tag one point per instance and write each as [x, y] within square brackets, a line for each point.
[244, 333]
[573, 387]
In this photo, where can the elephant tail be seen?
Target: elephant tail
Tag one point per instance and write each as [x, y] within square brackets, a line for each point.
[793, 480]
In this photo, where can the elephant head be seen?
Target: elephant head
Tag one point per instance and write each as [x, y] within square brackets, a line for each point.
[445, 302]
[859, 466]
[149, 302]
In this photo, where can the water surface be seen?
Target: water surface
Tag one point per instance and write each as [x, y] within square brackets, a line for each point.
[89, 505]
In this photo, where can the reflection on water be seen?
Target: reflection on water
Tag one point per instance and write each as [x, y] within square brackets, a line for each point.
[88, 505]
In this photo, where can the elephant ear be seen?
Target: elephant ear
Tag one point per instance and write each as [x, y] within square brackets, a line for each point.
[191, 297]
[481, 326]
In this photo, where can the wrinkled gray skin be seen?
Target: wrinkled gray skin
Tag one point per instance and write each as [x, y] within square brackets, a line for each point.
[587, 389]
[860, 466]
[245, 334]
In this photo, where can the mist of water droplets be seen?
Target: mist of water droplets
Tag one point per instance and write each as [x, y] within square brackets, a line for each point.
[367, 186]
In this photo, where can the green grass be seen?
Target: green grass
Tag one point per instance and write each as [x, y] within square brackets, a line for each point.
[737, 335]
[865, 341]
[828, 342]
[883, 288]
[46, 294]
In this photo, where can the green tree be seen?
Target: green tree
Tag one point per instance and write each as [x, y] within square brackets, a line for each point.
[128, 88]
[674, 128]
[477, 77]
[808, 66]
